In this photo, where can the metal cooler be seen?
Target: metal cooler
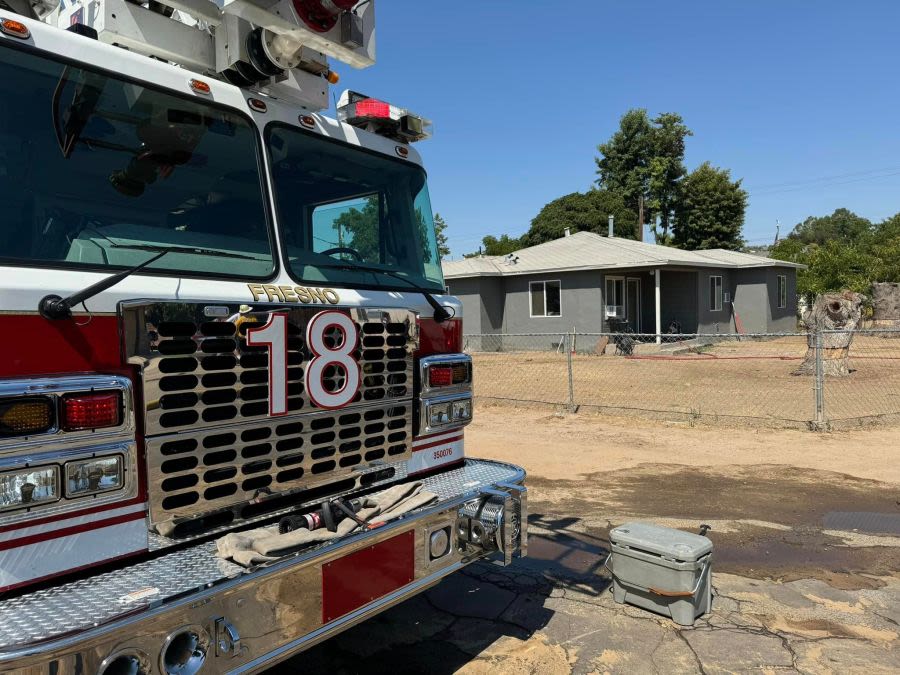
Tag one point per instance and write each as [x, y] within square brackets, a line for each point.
[661, 569]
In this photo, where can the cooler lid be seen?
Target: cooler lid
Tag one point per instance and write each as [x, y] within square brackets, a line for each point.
[663, 541]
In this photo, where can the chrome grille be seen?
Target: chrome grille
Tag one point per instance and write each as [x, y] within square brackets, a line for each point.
[216, 468]
[210, 442]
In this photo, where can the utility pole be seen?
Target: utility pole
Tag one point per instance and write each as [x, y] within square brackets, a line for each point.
[640, 232]
[777, 231]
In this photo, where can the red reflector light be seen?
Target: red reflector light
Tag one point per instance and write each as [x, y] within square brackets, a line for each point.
[440, 376]
[372, 107]
[440, 338]
[90, 411]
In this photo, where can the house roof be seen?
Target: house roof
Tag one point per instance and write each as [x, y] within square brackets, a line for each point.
[591, 251]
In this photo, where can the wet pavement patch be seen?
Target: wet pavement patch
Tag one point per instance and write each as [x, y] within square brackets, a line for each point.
[863, 521]
[797, 503]
[565, 555]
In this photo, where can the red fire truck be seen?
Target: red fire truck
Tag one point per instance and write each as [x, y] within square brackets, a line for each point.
[225, 342]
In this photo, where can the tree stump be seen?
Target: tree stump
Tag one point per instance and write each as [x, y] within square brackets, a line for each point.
[831, 311]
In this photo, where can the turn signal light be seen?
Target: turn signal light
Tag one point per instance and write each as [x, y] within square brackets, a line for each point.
[23, 416]
[90, 411]
[15, 28]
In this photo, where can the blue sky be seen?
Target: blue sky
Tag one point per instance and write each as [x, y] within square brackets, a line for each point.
[800, 99]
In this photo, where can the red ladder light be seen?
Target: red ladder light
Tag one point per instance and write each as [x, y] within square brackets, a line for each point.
[90, 411]
[372, 107]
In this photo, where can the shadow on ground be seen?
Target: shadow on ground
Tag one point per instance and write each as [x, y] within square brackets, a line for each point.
[445, 628]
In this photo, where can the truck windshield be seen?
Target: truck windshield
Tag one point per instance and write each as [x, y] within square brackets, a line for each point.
[97, 172]
[337, 203]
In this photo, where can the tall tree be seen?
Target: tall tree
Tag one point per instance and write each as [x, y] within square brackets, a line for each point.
[666, 170]
[581, 211]
[644, 159]
[440, 227]
[710, 210]
[624, 162]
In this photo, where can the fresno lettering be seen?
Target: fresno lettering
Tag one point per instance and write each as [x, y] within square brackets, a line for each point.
[301, 294]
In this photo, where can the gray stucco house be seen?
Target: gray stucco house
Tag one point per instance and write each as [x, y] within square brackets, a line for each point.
[596, 284]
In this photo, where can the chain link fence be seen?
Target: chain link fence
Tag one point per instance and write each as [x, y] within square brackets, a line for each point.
[767, 379]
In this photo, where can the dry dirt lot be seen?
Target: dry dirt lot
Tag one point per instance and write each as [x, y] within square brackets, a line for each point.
[750, 381]
[806, 529]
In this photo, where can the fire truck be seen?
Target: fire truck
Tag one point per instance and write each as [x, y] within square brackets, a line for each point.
[225, 342]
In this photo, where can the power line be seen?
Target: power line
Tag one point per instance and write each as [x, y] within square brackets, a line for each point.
[824, 178]
[802, 188]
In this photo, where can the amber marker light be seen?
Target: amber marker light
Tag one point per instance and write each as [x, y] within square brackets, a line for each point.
[15, 28]
[200, 87]
[332, 77]
[20, 417]
[257, 104]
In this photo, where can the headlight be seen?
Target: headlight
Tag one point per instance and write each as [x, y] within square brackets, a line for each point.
[438, 414]
[461, 411]
[28, 487]
[447, 412]
[91, 476]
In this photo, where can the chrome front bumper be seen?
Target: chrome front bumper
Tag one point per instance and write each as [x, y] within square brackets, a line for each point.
[247, 620]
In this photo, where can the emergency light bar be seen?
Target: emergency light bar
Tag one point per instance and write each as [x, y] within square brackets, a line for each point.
[382, 118]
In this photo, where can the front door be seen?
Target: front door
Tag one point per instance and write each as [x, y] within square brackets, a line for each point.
[633, 304]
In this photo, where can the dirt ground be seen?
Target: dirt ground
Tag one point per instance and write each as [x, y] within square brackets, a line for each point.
[568, 447]
[749, 381]
[806, 534]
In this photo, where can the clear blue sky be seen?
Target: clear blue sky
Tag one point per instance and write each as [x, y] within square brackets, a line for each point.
[800, 99]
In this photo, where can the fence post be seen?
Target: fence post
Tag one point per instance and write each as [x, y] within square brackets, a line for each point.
[570, 344]
[820, 381]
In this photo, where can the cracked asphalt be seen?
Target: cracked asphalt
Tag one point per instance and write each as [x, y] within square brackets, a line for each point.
[793, 591]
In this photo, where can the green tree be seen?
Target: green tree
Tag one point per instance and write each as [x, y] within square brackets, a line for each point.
[835, 266]
[624, 162]
[440, 227]
[581, 211]
[644, 159]
[710, 210]
[843, 225]
[491, 245]
[358, 229]
[832, 266]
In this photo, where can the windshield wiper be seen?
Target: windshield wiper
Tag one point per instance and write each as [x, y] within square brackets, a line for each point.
[185, 249]
[56, 307]
[440, 312]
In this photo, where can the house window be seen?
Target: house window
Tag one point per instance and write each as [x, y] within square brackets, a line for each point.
[715, 294]
[545, 298]
[782, 291]
[615, 297]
